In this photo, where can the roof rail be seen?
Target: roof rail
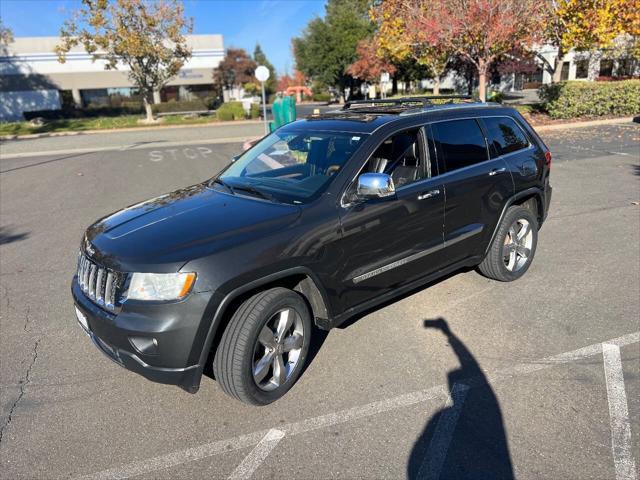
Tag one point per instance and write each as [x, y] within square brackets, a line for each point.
[425, 100]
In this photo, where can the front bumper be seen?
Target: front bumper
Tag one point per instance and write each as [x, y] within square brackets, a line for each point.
[175, 328]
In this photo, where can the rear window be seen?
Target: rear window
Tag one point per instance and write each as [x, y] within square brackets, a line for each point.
[504, 135]
[460, 143]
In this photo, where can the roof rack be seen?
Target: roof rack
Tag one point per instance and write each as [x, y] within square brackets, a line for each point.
[424, 101]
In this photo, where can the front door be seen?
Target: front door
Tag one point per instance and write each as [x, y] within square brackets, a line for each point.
[392, 241]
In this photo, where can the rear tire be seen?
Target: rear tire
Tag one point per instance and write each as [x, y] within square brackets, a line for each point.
[513, 247]
[263, 350]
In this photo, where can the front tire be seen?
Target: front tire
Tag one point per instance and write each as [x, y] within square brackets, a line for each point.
[264, 347]
[513, 247]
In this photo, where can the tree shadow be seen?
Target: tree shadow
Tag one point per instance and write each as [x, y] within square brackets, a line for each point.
[8, 236]
[465, 439]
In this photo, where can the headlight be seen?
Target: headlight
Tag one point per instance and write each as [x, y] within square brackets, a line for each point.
[160, 286]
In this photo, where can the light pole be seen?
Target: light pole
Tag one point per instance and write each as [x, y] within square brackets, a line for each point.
[262, 74]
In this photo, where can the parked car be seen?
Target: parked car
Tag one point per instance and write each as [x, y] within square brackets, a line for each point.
[322, 219]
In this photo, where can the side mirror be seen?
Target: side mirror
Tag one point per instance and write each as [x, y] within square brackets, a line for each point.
[375, 185]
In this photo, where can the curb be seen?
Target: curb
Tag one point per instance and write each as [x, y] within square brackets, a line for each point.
[589, 123]
[128, 129]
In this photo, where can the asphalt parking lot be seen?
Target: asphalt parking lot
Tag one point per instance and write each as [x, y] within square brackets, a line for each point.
[469, 378]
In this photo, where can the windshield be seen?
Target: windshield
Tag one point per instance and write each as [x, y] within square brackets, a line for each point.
[291, 167]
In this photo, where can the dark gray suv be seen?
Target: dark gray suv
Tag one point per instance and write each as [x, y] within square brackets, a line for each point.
[324, 218]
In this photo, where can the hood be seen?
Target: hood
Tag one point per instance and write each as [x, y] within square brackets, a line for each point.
[163, 233]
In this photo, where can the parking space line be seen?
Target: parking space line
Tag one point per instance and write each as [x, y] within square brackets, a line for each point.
[323, 421]
[437, 452]
[618, 413]
[177, 458]
[252, 461]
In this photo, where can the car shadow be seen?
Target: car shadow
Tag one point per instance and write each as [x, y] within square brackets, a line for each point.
[353, 319]
[466, 438]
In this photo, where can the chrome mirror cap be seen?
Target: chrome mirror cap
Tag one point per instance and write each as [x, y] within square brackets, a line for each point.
[375, 185]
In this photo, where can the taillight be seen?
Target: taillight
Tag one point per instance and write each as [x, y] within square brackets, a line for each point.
[547, 157]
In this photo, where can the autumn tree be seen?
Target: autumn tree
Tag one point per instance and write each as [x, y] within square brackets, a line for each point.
[369, 65]
[399, 39]
[236, 69]
[261, 59]
[585, 25]
[295, 80]
[480, 31]
[147, 37]
[328, 45]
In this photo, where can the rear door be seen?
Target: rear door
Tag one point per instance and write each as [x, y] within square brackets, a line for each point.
[476, 186]
[508, 140]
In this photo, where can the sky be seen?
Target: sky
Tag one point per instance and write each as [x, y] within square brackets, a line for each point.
[272, 23]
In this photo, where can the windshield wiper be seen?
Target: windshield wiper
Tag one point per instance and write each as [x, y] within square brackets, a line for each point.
[255, 191]
[224, 184]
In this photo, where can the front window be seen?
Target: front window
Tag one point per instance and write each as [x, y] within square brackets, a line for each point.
[291, 166]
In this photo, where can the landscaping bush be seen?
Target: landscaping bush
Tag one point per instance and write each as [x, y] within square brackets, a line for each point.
[321, 97]
[495, 96]
[231, 111]
[591, 99]
[87, 112]
[255, 110]
[195, 105]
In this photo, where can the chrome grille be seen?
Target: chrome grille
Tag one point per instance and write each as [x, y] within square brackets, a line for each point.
[100, 284]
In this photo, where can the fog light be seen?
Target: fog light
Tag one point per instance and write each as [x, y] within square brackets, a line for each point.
[145, 345]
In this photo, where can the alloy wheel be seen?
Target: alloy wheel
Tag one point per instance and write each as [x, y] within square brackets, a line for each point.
[277, 349]
[517, 245]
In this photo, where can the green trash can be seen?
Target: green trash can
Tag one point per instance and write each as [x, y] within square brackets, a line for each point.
[283, 111]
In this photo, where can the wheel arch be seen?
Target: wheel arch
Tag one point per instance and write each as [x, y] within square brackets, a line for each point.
[532, 199]
[299, 279]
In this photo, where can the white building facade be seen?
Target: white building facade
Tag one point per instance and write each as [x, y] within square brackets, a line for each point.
[32, 79]
[584, 66]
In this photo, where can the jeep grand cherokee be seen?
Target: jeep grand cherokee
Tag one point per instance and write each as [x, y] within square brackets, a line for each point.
[321, 219]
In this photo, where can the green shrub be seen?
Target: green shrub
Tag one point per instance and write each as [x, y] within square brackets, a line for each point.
[231, 111]
[495, 96]
[321, 96]
[255, 110]
[195, 105]
[592, 99]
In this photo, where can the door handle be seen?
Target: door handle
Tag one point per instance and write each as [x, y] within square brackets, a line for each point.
[429, 194]
[496, 171]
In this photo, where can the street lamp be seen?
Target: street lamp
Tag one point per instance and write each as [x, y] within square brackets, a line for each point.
[262, 74]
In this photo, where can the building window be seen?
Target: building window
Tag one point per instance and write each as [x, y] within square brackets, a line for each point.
[627, 67]
[111, 97]
[564, 73]
[582, 68]
[606, 68]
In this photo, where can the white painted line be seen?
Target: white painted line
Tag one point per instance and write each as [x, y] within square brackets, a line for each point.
[439, 446]
[368, 410]
[323, 421]
[257, 455]
[177, 458]
[618, 414]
